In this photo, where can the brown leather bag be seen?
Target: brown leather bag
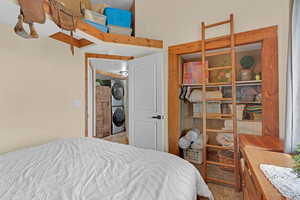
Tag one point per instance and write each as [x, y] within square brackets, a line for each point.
[65, 13]
[33, 11]
[62, 16]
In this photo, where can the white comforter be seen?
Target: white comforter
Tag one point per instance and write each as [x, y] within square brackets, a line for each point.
[93, 169]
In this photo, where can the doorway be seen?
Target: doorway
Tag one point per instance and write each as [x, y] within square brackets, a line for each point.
[133, 90]
[109, 104]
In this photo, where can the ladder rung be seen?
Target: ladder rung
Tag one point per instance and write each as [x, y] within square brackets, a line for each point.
[220, 164]
[220, 181]
[217, 24]
[218, 131]
[219, 83]
[217, 115]
[217, 53]
[219, 147]
[219, 68]
[219, 99]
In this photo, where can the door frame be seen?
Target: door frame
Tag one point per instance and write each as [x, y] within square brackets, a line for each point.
[87, 57]
[269, 59]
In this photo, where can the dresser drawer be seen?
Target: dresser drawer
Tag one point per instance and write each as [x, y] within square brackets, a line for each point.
[251, 192]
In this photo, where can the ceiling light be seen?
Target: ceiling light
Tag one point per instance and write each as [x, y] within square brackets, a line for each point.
[124, 73]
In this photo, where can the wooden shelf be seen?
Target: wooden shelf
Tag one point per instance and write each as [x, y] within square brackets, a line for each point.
[90, 39]
[225, 84]
[219, 147]
[249, 82]
[215, 116]
[116, 38]
[219, 68]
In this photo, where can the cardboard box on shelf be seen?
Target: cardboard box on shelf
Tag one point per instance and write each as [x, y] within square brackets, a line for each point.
[193, 72]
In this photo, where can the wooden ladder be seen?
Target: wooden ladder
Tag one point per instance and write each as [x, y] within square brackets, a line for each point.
[231, 116]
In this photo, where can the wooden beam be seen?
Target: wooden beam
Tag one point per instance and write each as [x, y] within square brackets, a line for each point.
[115, 38]
[270, 89]
[86, 93]
[84, 43]
[106, 56]
[112, 75]
[173, 105]
[62, 37]
[242, 38]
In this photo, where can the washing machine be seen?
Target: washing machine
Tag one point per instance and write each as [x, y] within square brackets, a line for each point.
[118, 119]
[118, 93]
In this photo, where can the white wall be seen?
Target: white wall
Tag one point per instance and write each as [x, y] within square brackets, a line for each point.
[39, 80]
[178, 21]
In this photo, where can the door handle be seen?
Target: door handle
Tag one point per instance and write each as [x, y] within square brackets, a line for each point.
[157, 117]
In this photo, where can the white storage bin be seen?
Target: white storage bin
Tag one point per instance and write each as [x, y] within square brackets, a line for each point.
[212, 107]
[95, 17]
[119, 30]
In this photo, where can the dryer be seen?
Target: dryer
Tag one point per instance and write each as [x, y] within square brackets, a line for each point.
[118, 92]
[118, 119]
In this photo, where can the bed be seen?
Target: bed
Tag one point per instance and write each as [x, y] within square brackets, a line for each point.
[94, 169]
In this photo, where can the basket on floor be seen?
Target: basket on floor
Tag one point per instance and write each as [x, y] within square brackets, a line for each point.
[193, 155]
[227, 157]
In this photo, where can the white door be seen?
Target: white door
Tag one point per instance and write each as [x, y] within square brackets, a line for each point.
[146, 102]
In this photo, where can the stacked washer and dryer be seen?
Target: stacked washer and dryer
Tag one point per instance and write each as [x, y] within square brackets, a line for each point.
[118, 106]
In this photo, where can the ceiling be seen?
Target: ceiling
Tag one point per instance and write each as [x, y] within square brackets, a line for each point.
[111, 66]
[122, 4]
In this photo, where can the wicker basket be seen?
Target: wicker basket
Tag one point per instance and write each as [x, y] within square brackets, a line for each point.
[193, 155]
[226, 156]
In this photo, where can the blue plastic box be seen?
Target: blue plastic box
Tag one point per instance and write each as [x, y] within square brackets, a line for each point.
[118, 17]
[97, 26]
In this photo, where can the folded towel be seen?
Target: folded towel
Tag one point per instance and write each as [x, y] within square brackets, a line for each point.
[184, 143]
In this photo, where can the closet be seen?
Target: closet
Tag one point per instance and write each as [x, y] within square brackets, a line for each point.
[256, 96]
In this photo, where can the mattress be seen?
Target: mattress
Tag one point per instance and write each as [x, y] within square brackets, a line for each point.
[94, 169]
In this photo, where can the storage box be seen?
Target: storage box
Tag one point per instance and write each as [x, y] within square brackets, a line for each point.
[193, 155]
[94, 17]
[97, 26]
[99, 7]
[211, 108]
[118, 17]
[223, 75]
[192, 73]
[196, 95]
[119, 30]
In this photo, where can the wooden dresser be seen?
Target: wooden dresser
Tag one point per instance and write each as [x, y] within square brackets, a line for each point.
[256, 185]
[257, 150]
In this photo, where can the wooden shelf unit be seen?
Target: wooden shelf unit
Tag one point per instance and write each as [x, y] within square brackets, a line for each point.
[267, 37]
[93, 32]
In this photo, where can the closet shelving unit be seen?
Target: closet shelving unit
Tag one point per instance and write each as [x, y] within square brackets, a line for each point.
[181, 116]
